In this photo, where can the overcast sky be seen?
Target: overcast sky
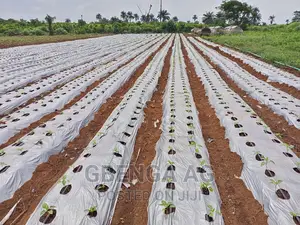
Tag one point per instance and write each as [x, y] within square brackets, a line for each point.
[184, 9]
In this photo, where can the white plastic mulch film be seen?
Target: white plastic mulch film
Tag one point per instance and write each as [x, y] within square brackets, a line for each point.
[273, 73]
[109, 52]
[19, 68]
[271, 169]
[14, 122]
[21, 158]
[184, 191]
[280, 102]
[87, 193]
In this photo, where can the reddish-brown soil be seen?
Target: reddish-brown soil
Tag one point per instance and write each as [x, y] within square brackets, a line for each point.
[289, 134]
[238, 204]
[283, 87]
[132, 203]
[53, 114]
[48, 173]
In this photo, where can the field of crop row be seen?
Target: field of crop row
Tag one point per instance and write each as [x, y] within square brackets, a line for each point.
[153, 129]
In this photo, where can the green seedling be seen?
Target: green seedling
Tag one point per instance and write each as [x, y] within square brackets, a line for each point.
[212, 211]
[64, 180]
[92, 209]
[49, 132]
[166, 205]
[198, 146]
[207, 185]
[47, 209]
[191, 126]
[20, 149]
[266, 162]
[101, 186]
[169, 180]
[298, 164]
[294, 214]
[193, 143]
[2, 152]
[202, 163]
[94, 143]
[288, 147]
[275, 182]
[279, 135]
[170, 162]
[116, 150]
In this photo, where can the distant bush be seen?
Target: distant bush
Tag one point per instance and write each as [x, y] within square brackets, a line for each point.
[60, 31]
[38, 32]
[26, 32]
[13, 32]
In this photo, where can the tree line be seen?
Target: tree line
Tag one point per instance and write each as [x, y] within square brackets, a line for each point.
[231, 12]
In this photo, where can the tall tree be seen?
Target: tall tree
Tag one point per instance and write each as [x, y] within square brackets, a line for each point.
[99, 17]
[163, 15]
[272, 19]
[124, 15]
[136, 17]
[287, 22]
[68, 20]
[50, 19]
[239, 13]
[114, 19]
[175, 19]
[195, 17]
[144, 18]
[151, 17]
[130, 16]
[296, 17]
[208, 18]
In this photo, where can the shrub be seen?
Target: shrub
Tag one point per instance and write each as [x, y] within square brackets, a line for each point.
[26, 32]
[13, 32]
[38, 32]
[60, 31]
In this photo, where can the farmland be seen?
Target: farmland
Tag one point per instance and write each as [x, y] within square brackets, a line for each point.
[7, 42]
[150, 129]
[278, 43]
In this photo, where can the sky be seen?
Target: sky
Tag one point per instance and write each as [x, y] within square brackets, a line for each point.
[183, 9]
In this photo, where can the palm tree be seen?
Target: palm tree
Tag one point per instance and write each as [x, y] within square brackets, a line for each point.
[144, 18]
[49, 19]
[175, 19]
[208, 18]
[272, 19]
[136, 17]
[99, 17]
[68, 20]
[124, 15]
[151, 18]
[164, 15]
[130, 16]
[195, 17]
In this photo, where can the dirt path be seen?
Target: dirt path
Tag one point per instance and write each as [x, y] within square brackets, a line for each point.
[288, 134]
[16, 41]
[132, 203]
[47, 174]
[238, 204]
[283, 87]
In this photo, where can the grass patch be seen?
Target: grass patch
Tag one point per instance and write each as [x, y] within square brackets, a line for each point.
[274, 45]
[7, 41]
